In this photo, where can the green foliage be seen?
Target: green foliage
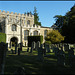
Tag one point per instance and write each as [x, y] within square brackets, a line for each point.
[48, 42]
[36, 17]
[2, 37]
[67, 25]
[54, 36]
[34, 38]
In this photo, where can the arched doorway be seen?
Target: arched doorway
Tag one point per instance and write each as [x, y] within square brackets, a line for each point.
[13, 41]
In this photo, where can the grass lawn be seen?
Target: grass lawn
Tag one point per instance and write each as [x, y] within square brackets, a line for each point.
[33, 66]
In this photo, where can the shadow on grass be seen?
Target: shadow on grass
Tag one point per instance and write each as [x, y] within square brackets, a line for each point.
[32, 65]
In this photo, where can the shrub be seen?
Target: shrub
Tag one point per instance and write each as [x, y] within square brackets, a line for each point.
[34, 38]
[54, 36]
[2, 37]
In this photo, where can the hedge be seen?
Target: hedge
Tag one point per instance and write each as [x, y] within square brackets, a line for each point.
[2, 37]
[34, 38]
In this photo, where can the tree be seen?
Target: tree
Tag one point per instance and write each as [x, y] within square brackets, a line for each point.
[36, 17]
[54, 36]
[67, 25]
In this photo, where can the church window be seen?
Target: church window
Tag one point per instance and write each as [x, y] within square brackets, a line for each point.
[14, 28]
[26, 34]
[35, 33]
[45, 33]
[28, 22]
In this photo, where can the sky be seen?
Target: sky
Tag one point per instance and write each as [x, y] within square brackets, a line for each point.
[46, 9]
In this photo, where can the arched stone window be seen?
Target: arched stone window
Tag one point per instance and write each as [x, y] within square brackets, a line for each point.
[35, 32]
[28, 22]
[26, 34]
[14, 27]
[45, 33]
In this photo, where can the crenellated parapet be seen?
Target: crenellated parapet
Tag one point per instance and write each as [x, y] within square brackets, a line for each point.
[17, 18]
[16, 14]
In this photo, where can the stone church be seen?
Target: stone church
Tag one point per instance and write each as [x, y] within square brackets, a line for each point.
[18, 26]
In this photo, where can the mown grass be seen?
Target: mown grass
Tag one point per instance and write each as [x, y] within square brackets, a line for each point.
[33, 66]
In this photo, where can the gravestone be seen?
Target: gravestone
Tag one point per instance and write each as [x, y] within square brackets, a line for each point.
[56, 51]
[40, 54]
[20, 46]
[66, 47]
[61, 58]
[12, 51]
[15, 48]
[31, 50]
[33, 44]
[47, 48]
[19, 51]
[44, 51]
[62, 48]
[71, 57]
[3, 49]
[28, 49]
[37, 45]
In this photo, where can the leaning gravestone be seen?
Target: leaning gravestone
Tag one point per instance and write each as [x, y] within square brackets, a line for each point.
[3, 50]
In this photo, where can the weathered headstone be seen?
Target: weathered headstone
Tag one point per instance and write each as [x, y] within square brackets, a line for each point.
[66, 47]
[28, 49]
[47, 48]
[12, 51]
[15, 48]
[33, 44]
[40, 54]
[44, 51]
[20, 46]
[37, 45]
[19, 51]
[56, 51]
[31, 50]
